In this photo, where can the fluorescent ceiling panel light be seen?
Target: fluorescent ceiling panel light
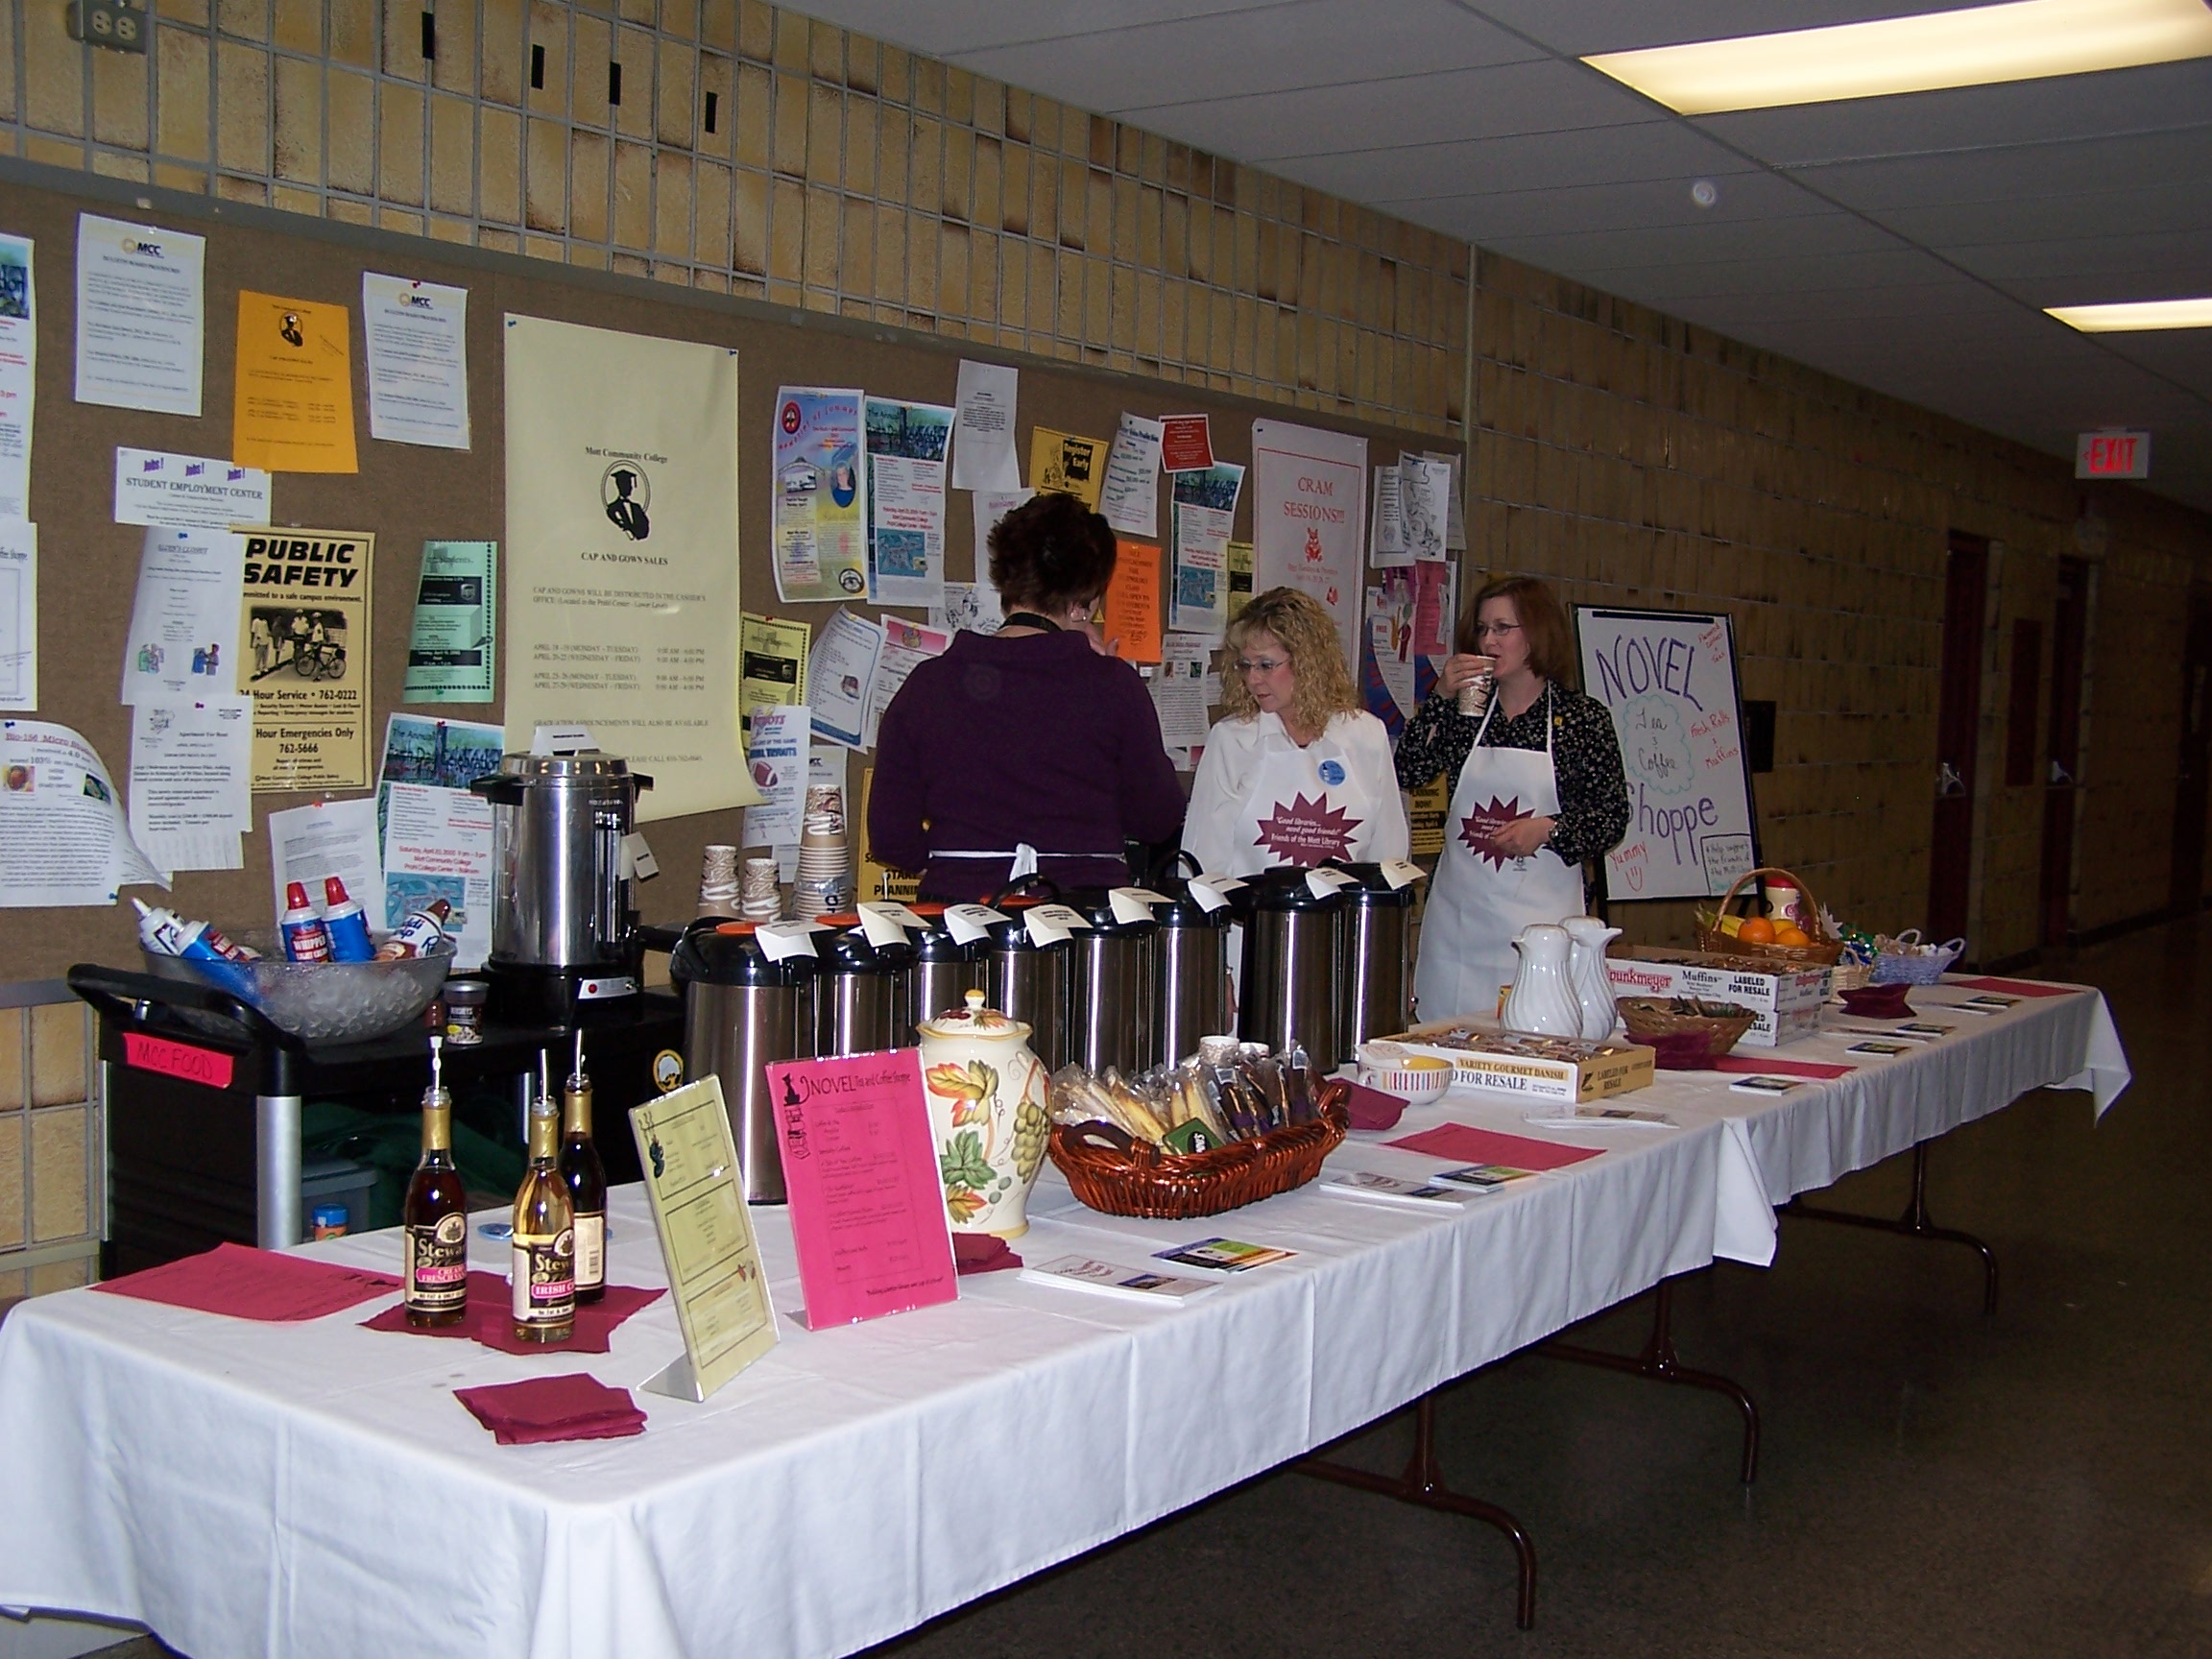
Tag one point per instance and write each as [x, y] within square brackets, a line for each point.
[2136, 316]
[1978, 47]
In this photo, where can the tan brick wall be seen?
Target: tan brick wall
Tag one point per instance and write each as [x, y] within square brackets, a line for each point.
[50, 1165]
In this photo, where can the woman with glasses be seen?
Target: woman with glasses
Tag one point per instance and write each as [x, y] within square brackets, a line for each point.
[1537, 789]
[1296, 771]
[1033, 750]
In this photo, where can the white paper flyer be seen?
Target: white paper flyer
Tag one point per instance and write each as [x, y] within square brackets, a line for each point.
[62, 835]
[187, 491]
[191, 795]
[418, 338]
[907, 450]
[841, 677]
[18, 615]
[983, 455]
[182, 642]
[18, 374]
[438, 844]
[141, 316]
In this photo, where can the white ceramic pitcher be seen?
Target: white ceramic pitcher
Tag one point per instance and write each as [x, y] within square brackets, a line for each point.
[1593, 985]
[1543, 1001]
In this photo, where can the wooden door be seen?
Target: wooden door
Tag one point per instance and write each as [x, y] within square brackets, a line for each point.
[2062, 747]
[2189, 787]
[1957, 716]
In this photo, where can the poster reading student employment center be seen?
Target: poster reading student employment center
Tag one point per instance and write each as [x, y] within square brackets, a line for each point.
[303, 652]
[622, 611]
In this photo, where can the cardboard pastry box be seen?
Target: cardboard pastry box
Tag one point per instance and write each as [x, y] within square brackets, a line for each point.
[1552, 1069]
[1784, 1000]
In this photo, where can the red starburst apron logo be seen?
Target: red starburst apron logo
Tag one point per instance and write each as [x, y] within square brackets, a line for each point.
[1480, 829]
[1307, 831]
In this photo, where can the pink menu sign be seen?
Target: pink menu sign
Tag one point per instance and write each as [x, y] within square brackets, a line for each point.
[860, 1171]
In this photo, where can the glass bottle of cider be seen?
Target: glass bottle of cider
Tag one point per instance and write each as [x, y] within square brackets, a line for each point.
[544, 1270]
[585, 1178]
[434, 1240]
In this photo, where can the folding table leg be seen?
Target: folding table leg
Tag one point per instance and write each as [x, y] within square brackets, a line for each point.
[1660, 1362]
[1423, 1484]
[1913, 1224]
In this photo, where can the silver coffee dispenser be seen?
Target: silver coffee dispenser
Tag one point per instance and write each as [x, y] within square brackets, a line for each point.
[1375, 963]
[742, 1011]
[563, 920]
[1287, 985]
[1110, 988]
[945, 970]
[1191, 974]
[862, 991]
[1029, 982]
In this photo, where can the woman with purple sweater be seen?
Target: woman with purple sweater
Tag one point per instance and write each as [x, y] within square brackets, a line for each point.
[1030, 749]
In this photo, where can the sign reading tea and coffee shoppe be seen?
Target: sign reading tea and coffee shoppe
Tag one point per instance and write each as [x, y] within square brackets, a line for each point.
[1669, 680]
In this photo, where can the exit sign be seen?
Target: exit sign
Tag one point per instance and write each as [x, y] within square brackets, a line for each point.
[2112, 455]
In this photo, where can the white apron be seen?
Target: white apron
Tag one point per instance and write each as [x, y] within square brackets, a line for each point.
[1302, 805]
[1480, 900]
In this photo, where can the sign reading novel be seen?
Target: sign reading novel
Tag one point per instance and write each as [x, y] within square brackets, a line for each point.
[1669, 680]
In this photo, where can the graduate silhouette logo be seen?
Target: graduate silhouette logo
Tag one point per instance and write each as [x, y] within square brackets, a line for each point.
[1308, 833]
[1481, 829]
[291, 331]
[626, 492]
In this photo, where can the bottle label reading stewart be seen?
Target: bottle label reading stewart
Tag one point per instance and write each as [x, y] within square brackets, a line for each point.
[545, 1280]
[436, 1274]
[591, 1251]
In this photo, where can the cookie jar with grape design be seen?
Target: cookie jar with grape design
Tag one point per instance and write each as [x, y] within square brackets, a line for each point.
[986, 1094]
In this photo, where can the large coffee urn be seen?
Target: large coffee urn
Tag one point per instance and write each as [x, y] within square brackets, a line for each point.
[742, 1012]
[562, 923]
[945, 970]
[1375, 968]
[1288, 992]
[1029, 983]
[1110, 986]
[1190, 974]
[862, 991]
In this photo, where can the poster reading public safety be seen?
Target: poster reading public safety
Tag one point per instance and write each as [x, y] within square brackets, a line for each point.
[622, 553]
[303, 652]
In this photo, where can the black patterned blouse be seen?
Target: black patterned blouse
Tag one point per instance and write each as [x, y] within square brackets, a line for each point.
[1585, 755]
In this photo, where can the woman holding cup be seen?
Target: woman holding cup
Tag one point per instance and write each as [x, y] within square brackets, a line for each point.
[1537, 789]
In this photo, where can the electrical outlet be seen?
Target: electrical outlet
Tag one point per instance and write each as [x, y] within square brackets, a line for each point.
[108, 23]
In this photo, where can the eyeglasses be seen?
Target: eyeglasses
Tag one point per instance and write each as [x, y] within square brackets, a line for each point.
[1260, 664]
[1485, 630]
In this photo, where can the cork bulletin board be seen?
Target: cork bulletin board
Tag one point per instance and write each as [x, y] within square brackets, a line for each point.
[408, 494]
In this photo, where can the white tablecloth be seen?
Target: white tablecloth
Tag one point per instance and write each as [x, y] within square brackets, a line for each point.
[248, 1488]
[1778, 1147]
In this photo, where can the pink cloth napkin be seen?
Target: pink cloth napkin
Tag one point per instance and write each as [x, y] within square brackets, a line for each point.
[1745, 1066]
[982, 1253]
[572, 1407]
[490, 1318]
[2016, 987]
[1463, 1143]
[244, 1282]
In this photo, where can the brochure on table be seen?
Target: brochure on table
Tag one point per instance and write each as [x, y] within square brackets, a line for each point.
[860, 1172]
[707, 1242]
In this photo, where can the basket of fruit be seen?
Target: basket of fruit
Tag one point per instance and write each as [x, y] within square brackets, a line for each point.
[1721, 930]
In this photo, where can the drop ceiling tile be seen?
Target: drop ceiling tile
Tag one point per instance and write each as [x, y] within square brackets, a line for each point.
[945, 28]
[1601, 155]
[1688, 246]
[1655, 204]
[1660, 285]
[2057, 217]
[1279, 49]
[1456, 104]
[2063, 169]
[2167, 265]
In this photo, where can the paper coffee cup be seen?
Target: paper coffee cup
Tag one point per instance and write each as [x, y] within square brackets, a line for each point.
[1475, 695]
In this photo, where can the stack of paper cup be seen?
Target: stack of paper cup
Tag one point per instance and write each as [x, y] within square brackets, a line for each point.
[825, 872]
[718, 881]
[759, 898]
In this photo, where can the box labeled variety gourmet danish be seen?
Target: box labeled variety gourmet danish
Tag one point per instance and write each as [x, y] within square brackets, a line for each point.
[1552, 1068]
[1784, 1000]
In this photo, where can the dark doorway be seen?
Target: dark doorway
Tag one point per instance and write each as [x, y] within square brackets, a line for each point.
[2069, 636]
[2189, 787]
[1958, 715]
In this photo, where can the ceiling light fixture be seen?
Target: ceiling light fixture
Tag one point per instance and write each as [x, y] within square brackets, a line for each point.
[1704, 192]
[2138, 316]
[1977, 46]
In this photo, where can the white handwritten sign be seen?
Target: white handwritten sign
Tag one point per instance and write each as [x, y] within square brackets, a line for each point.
[1669, 680]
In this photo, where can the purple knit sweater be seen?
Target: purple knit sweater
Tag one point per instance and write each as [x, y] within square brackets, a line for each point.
[1035, 738]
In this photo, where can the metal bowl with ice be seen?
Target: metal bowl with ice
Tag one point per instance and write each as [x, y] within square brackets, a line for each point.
[320, 1001]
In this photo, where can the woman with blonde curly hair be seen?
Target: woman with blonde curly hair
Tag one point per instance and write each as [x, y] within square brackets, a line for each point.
[1296, 771]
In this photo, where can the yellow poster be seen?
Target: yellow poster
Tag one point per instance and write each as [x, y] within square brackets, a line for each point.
[1425, 811]
[622, 613]
[303, 652]
[772, 664]
[292, 401]
[1071, 466]
[879, 880]
[1239, 577]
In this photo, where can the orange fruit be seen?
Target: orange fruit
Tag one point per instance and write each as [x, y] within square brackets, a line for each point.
[1789, 933]
[1757, 930]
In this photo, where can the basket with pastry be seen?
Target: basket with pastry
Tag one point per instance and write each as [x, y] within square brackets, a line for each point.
[1226, 1129]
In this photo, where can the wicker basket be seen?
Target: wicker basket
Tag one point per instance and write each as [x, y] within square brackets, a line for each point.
[1821, 953]
[1920, 965]
[1650, 1016]
[1171, 1186]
